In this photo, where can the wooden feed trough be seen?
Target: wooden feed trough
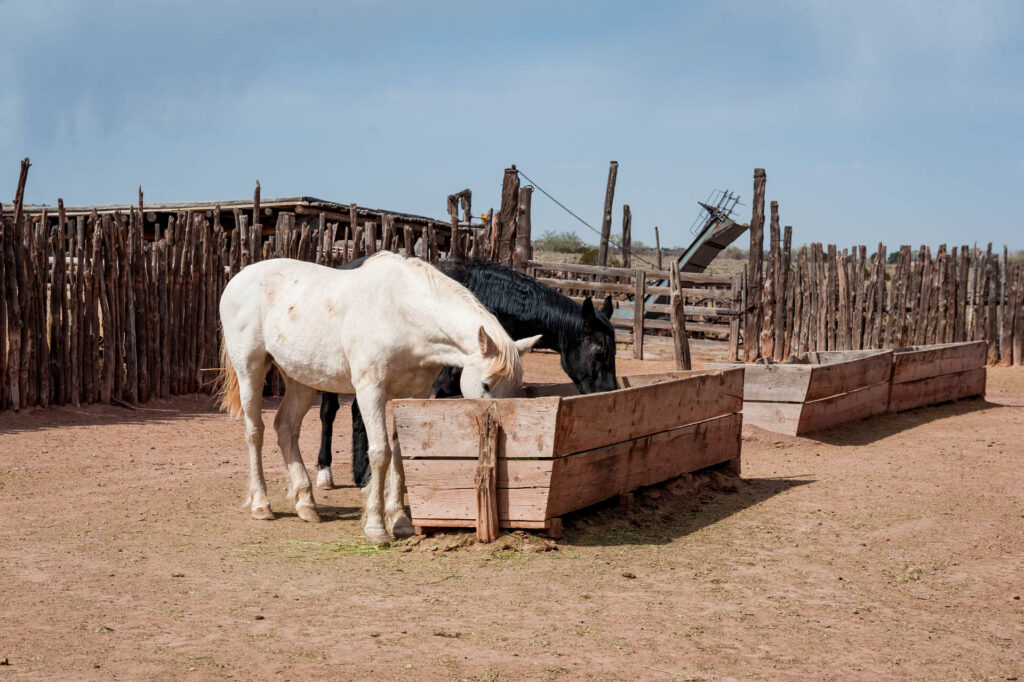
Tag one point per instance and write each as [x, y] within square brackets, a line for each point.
[926, 375]
[819, 390]
[523, 462]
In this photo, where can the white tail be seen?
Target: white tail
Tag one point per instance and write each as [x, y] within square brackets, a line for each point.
[228, 396]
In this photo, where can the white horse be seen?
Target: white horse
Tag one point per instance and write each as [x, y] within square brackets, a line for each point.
[382, 331]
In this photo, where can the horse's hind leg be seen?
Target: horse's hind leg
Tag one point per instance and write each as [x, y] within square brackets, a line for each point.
[328, 411]
[294, 406]
[250, 389]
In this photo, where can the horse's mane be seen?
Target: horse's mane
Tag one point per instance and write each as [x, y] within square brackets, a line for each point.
[507, 364]
[516, 297]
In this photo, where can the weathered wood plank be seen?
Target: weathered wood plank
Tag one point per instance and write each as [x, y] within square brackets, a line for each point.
[920, 362]
[447, 428]
[693, 277]
[583, 422]
[636, 380]
[842, 377]
[583, 479]
[908, 395]
[509, 473]
[448, 502]
[799, 418]
[829, 373]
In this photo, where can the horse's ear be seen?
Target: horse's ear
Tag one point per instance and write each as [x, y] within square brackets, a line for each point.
[487, 346]
[524, 345]
[588, 308]
[606, 307]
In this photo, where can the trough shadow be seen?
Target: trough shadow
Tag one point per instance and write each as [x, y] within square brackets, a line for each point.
[872, 429]
[668, 511]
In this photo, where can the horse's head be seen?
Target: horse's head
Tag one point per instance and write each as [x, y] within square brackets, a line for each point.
[496, 371]
[589, 360]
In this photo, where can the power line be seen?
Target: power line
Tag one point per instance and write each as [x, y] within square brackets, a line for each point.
[567, 210]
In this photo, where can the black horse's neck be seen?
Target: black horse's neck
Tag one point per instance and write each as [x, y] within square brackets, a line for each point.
[524, 306]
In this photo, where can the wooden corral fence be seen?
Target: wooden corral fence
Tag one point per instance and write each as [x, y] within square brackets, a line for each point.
[823, 298]
[712, 304]
[110, 307]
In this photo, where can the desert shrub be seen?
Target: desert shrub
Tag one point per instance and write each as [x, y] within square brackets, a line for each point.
[589, 257]
[561, 242]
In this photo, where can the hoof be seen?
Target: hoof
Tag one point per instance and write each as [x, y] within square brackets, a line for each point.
[376, 536]
[308, 514]
[402, 528]
[324, 480]
[262, 514]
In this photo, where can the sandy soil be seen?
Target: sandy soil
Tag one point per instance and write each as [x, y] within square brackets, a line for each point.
[887, 548]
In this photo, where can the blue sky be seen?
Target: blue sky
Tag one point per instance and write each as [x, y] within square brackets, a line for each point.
[897, 121]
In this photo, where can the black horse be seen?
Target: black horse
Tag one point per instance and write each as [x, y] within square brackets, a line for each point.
[581, 335]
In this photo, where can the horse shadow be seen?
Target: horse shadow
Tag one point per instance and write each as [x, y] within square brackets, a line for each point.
[872, 429]
[328, 513]
[665, 512]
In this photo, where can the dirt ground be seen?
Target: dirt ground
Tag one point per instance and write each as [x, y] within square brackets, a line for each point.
[886, 548]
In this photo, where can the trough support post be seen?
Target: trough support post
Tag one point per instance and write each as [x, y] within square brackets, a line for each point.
[677, 311]
[606, 221]
[488, 427]
[638, 314]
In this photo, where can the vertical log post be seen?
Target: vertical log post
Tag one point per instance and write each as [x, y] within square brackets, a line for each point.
[752, 330]
[992, 300]
[486, 480]
[638, 313]
[606, 220]
[734, 321]
[771, 286]
[524, 227]
[505, 243]
[677, 312]
[256, 229]
[657, 245]
[627, 236]
[783, 315]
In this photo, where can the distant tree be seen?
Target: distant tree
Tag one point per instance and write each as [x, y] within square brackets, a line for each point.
[561, 242]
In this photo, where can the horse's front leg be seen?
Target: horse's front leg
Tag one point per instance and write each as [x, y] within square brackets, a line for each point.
[372, 405]
[328, 410]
